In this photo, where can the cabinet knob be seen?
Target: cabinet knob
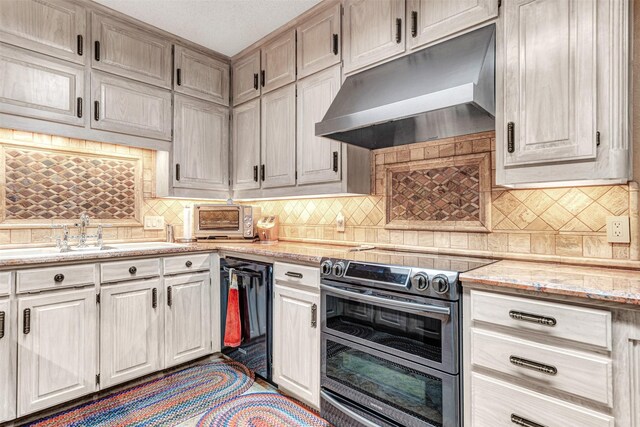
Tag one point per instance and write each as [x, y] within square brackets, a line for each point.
[133, 269]
[58, 278]
[188, 263]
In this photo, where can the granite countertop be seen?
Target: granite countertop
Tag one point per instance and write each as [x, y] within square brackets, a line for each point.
[306, 253]
[595, 283]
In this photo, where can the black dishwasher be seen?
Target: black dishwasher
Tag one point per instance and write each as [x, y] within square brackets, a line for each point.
[255, 281]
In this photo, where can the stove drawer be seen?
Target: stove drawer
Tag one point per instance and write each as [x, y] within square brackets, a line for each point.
[582, 374]
[496, 403]
[549, 319]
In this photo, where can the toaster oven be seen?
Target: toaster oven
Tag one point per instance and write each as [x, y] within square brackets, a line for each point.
[225, 221]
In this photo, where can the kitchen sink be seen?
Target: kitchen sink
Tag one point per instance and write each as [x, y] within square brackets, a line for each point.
[29, 253]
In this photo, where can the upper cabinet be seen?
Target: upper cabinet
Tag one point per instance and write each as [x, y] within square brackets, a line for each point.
[318, 42]
[279, 61]
[246, 146]
[246, 78]
[373, 32]
[278, 167]
[129, 51]
[201, 76]
[431, 20]
[52, 27]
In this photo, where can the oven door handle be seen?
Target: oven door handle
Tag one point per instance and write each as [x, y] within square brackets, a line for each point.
[407, 306]
[362, 420]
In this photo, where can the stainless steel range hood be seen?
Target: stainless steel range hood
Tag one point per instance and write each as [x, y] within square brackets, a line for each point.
[444, 90]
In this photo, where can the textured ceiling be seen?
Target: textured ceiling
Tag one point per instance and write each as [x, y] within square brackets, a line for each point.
[226, 26]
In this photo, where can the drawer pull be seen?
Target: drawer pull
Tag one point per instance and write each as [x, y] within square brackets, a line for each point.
[169, 296]
[26, 321]
[533, 318]
[294, 274]
[133, 270]
[518, 420]
[154, 298]
[529, 364]
[2, 324]
[58, 278]
[188, 263]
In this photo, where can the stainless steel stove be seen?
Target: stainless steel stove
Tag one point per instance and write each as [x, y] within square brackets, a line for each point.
[391, 340]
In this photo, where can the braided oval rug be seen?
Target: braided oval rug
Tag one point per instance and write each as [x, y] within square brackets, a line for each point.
[261, 410]
[163, 402]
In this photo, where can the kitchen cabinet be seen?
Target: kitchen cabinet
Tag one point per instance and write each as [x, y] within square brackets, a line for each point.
[201, 76]
[125, 106]
[318, 158]
[246, 78]
[432, 20]
[34, 85]
[57, 348]
[201, 144]
[246, 145]
[129, 51]
[373, 32]
[187, 318]
[130, 331]
[319, 42]
[278, 59]
[8, 362]
[52, 27]
[278, 141]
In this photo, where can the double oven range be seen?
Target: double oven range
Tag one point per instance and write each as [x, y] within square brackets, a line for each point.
[391, 342]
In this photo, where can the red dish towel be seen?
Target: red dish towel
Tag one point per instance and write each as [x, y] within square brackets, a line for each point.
[233, 328]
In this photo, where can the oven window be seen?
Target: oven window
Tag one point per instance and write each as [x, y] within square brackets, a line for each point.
[219, 219]
[396, 330]
[403, 388]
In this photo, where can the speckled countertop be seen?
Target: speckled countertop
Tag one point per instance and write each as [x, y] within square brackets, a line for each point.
[596, 283]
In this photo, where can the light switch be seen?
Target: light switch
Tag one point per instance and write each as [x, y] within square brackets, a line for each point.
[153, 222]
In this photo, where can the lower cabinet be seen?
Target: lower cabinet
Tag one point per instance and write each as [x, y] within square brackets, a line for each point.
[7, 362]
[57, 348]
[296, 343]
[130, 331]
[187, 318]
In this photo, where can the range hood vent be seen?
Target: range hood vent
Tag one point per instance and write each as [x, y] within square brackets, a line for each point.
[442, 91]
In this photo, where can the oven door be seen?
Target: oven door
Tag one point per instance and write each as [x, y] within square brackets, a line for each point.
[218, 221]
[407, 393]
[422, 330]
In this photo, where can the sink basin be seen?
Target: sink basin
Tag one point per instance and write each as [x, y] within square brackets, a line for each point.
[29, 253]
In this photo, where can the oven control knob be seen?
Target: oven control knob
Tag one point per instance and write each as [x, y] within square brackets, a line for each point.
[440, 284]
[338, 269]
[420, 281]
[325, 267]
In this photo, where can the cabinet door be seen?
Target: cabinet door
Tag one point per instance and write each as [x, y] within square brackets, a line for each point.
[35, 85]
[201, 76]
[57, 357]
[430, 20]
[201, 144]
[246, 78]
[278, 146]
[550, 83]
[53, 27]
[8, 363]
[319, 42]
[296, 345]
[123, 49]
[129, 331]
[373, 32]
[279, 62]
[318, 158]
[246, 146]
[124, 106]
[187, 318]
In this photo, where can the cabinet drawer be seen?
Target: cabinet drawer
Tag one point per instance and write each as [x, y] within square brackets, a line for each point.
[5, 283]
[579, 373]
[55, 277]
[128, 270]
[305, 276]
[579, 324]
[494, 403]
[186, 263]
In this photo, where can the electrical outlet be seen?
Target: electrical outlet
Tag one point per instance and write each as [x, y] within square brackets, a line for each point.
[618, 229]
[340, 222]
[154, 222]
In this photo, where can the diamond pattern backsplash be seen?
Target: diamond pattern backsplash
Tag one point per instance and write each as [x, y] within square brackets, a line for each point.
[58, 185]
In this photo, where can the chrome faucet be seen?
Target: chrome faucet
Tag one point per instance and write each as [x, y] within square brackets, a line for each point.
[83, 224]
[62, 242]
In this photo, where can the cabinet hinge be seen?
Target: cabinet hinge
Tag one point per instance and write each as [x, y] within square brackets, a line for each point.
[97, 298]
[597, 138]
[97, 379]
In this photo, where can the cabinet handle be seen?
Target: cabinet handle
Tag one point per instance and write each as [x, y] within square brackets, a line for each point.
[294, 274]
[511, 146]
[2, 315]
[26, 321]
[518, 420]
[533, 318]
[96, 110]
[414, 24]
[169, 296]
[154, 298]
[80, 41]
[179, 77]
[188, 263]
[58, 278]
[96, 50]
[255, 81]
[262, 173]
[79, 107]
[263, 78]
[335, 161]
[255, 173]
[335, 44]
[177, 171]
[133, 270]
[314, 316]
[530, 364]
[398, 30]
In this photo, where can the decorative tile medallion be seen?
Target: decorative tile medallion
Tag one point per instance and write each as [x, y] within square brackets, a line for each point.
[44, 185]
